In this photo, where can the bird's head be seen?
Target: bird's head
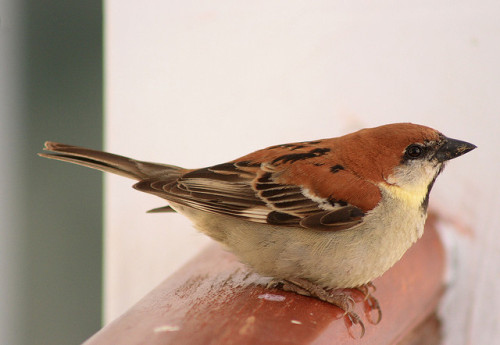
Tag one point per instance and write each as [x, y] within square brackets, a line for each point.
[403, 158]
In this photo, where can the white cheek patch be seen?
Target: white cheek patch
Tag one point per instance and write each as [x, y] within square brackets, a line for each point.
[415, 175]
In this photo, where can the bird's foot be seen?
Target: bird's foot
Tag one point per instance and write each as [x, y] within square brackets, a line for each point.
[337, 297]
[371, 303]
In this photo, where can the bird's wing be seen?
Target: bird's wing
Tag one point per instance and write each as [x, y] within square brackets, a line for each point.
[300, 186]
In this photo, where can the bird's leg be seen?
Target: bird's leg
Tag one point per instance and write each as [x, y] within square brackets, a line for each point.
[371, 303]
[337, 297]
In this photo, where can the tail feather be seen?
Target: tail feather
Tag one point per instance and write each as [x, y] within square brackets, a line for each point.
[128, 167]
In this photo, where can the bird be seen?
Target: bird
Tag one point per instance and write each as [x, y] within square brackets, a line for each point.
[318, 217]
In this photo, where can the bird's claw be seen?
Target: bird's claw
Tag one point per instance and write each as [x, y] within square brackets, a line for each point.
[337, 297]
[354, 319]
[371, 303]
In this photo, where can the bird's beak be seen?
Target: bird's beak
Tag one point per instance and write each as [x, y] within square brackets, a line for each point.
[453, 148]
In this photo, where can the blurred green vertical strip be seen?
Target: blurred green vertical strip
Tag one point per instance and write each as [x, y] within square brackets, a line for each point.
[63, 203]
[11, 172]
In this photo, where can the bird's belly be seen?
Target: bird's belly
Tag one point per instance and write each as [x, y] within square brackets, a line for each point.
[345, 258]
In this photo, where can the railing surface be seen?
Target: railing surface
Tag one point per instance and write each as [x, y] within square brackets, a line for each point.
[216, 300]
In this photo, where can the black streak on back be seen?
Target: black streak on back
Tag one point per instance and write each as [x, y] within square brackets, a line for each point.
[293, 157]
[336, 168]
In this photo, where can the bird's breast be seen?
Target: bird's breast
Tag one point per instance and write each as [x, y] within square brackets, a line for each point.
[345, 258]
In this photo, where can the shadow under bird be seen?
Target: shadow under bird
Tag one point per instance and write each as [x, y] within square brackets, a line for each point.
[316, 216]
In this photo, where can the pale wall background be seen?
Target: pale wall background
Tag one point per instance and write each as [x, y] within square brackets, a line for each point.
[195, 83]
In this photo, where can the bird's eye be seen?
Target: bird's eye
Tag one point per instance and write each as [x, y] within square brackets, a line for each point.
[414, 151]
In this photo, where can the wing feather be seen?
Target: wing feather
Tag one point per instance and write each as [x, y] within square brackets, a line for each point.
[252, 191]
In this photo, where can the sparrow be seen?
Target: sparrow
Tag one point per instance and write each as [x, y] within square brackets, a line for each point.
[317, 216]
